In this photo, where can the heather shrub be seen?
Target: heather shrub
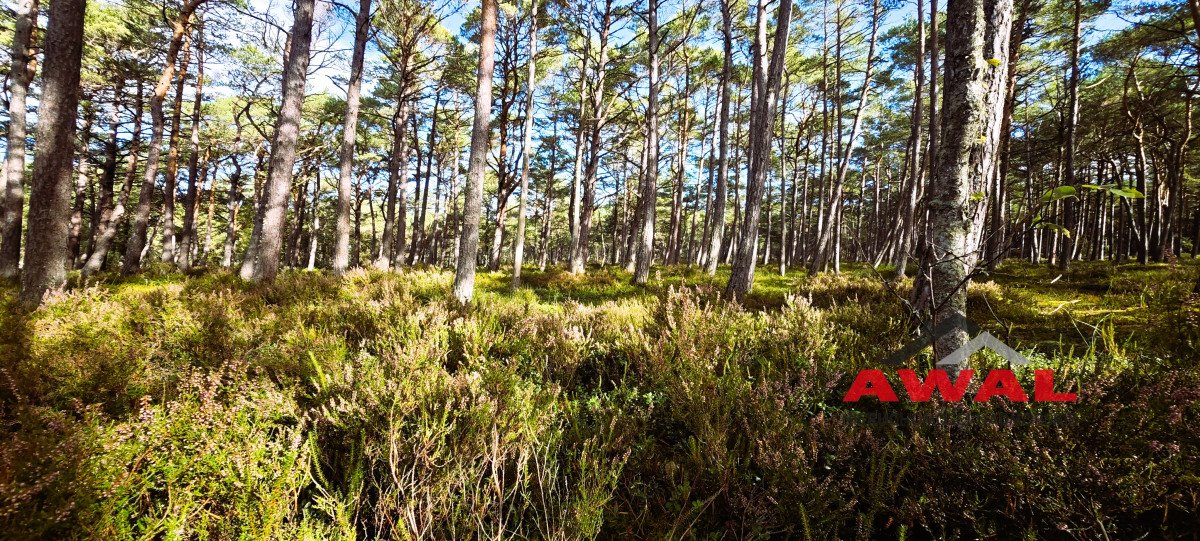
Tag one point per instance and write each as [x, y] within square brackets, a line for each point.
[578, 407]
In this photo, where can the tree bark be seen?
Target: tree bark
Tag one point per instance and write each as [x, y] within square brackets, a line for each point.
[170, 179]
[24, 66]
[468, 248]
[648, 190]
[82, 180]
[341, 242]
[767, 77]
[976, 49]
[49, 199]
[526, 146]
[261, 263]
[1068, 242]
[828, 243]
[112, 222]
[137, 238]
[580, 244]
[906, 230]
[195, 176]
[717, 227]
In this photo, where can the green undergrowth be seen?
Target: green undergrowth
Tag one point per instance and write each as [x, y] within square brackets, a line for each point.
[580, 407]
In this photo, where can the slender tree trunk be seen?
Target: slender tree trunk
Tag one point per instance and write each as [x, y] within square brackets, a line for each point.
[49, 199]
[262, 259]
[1068, 242]
[316, 221]
[767, 77]
[934, 55]
[828, 242]
[548, 203]
[24, 65]
[468, 250]
[82, 180]
[648, 192]
[973, 105]
[906, 231]
[170, 179]
[581, 245]
[103, 209]
[576, 205]
[210, 173]
[998, 244]
[419, 217]
[341, 238]
[195, 176]
[527, 146]
[110, 225]
[675, 227]
[137, 238]
[718, 210]
[234, 203]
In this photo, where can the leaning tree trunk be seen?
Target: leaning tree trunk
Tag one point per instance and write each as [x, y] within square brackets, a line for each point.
[170, 178]
[468, 245]
[581, 244]
[261, 263]
[717, 216]
[527, 148]
[976, 49]
[23, 67]
[111, 223]
[762, 117]
[341, 238]
[49, 200]
[648, 191]
[195, 179]
[137, 237]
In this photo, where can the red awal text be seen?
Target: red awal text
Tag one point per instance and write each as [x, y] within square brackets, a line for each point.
[997, 383]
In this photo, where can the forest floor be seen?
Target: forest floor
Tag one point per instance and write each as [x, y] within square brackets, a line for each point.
[372, 406]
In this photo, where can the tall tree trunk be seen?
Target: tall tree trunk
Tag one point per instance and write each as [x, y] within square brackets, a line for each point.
[110, 225]
[49, 199]
[261, 263]
[718, 211]
[82, 180]
[828, 242]
[102, 211]
[1068, 242]
[234, 203]
[581, 244]
[195, 176]
[393, 225]
[171, 178]
[973, 103]
[998, 243]
[526, 146]
[767, 77]
[419, 218]
[341, 237]
[912, 189]
[648, 191]
[548, 202]
[137, 237]
[576, 203]
[934, 55]
[316, 221]
[468, 248]
[675, 226]
[24, 65]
